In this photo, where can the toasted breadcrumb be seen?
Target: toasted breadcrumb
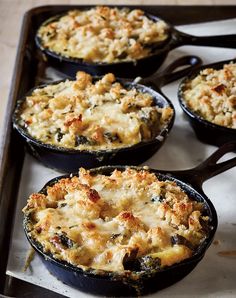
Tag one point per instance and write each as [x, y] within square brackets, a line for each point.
[103, 34]
[212, 95]
[103, 221]
[86, 115]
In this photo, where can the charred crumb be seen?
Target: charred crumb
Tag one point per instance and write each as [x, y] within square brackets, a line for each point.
[71, 227]
[112, 137]
[59, 135]
[159, 199]
[79, 140]
[114, 236]
[123, 55]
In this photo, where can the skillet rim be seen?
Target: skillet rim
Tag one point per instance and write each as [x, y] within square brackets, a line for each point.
[161, 47]
[94, 273]
[157, 96]
[193, 115]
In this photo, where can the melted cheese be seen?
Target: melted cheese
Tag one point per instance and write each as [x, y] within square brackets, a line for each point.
[103, 34]
[97, 221]
[212, 95]
[84, 115]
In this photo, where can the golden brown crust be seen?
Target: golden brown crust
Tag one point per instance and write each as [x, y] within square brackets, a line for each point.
[83, 115]
[103, 34]
[101, 222]
[212, 95]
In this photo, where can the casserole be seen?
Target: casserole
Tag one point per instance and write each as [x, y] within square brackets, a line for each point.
[207, 97]
[113, 144]
[102, 34]
[138, 65]
[86, 114]
[142, 273]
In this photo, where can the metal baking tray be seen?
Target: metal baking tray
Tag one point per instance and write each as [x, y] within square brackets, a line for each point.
[30, 69]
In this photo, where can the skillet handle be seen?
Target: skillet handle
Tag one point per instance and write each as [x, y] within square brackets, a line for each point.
[209, 168]
[222, 41]
[159, 79]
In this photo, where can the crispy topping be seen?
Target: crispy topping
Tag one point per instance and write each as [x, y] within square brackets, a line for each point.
[112, 223]
[92, 116]
[95, 36]
[212, 95]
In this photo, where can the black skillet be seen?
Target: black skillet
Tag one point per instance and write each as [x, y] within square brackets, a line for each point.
[69, 160]
[206, 131]
[142, 67]
[114, 284]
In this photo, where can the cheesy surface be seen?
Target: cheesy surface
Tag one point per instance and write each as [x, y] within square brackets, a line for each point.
[112, 222]
[212, 95]
[103, 34]
[87, 115]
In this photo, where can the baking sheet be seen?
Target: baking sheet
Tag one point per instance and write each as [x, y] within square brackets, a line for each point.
[215, 275]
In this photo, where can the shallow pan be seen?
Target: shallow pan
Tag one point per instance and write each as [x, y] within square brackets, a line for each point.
[206, 131]
[69, 160]
[111, 284]
[140, 67]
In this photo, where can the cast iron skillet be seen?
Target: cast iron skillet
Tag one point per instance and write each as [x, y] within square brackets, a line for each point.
[111, 284]
[69, 160]
[206, 131]
[142, 67]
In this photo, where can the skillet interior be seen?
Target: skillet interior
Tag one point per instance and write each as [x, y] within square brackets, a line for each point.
[70, 160]
[155, 47]
[114, 284]
[206, 131]
[144, 66]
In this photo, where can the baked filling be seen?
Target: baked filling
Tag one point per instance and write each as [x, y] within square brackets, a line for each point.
[212, 95]
[87, 115]
[103, 34]
[126, 221]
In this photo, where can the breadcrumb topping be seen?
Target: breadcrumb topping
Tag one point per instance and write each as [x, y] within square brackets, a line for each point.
[113, 222]
[103, 34]
[212, 95]
[87, 115]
